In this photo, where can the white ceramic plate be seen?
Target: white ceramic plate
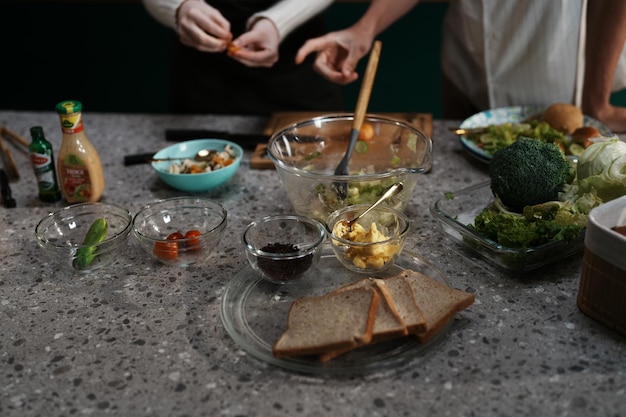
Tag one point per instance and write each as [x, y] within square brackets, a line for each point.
[514, 114]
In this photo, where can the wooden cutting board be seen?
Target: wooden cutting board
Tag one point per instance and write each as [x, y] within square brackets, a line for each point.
[278, 120]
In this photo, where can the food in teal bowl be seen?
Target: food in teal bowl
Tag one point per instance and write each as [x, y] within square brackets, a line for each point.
[178, 166]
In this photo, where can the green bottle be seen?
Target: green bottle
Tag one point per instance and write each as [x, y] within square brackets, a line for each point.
[41, 157]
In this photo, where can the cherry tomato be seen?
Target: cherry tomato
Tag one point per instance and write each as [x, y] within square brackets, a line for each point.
[166, 250]
[366, 132]
[175, 236]
[193, 241]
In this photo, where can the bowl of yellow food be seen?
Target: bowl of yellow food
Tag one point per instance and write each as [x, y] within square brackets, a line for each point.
[371, 244]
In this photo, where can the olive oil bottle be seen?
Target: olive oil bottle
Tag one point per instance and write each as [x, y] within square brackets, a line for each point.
[42, 159]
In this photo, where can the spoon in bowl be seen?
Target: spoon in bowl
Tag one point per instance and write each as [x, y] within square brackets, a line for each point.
[201, 155]
[391, 191]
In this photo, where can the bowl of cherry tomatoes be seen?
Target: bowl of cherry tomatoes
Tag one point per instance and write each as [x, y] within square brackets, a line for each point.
[180, 231]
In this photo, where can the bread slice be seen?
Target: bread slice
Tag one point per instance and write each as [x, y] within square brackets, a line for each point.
[408, 308]
[388, 323]
[437, 301]
[334, 321]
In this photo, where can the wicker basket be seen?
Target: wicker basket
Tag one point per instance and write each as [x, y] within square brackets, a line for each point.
[602, 290]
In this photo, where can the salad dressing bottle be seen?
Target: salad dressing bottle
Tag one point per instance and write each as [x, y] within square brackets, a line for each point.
[79, 167]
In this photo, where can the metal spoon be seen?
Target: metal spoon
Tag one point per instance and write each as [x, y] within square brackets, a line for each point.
[201, 155]
[391, 191]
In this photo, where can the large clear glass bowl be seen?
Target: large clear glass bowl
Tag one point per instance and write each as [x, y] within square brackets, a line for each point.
[306, 154]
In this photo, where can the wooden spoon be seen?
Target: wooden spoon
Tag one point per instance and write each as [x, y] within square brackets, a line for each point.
[8, 162]
[359, 116]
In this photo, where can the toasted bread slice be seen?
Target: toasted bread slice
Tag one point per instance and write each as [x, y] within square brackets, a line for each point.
[437, 301]
[387, 324]
[334, 321]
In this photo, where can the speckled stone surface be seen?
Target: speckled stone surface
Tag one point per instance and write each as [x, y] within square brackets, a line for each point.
[139, 339]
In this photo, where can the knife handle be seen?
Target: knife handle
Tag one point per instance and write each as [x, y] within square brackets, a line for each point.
[140, 158]
[7, 198]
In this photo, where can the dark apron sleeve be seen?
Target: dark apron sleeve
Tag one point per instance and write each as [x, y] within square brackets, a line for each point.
[215, 83]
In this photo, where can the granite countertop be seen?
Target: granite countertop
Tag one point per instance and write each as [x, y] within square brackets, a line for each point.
[140, 339]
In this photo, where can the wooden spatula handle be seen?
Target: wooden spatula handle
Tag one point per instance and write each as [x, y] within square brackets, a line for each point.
[366, 86]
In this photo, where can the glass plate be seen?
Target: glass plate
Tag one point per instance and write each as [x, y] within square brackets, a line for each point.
[514, 114]
[254, 313]
[454, 214]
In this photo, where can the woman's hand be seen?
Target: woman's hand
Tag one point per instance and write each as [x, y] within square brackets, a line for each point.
[258, 47]
[338, 54]
[202, 27]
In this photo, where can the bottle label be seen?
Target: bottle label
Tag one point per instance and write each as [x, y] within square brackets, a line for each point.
[44, 171]
[75, 178]
[71, 123]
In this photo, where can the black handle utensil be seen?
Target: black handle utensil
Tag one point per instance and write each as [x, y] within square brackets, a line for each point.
[5, 190]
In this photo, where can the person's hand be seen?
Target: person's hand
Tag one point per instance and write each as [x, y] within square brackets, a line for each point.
[258, 47]
[338, 54]
[613, 117]
[202, 27]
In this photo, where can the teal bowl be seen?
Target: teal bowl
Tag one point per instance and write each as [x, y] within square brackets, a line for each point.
[196, 182]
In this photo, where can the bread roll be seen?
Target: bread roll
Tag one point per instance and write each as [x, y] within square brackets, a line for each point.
[564, 117]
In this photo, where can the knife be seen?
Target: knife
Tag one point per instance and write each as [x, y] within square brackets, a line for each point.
[245, 140]
[5, 190]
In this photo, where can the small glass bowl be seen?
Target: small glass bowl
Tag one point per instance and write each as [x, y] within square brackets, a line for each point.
[368, 253]
[283, 248]
[199, 221]
[63, 232]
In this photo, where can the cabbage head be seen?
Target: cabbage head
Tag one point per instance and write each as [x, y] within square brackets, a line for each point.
[602, 167]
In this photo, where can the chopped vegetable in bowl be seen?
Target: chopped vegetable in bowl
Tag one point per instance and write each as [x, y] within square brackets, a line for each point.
[213, 161]
[497, 137]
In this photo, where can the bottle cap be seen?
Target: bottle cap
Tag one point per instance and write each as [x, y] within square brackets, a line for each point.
[69, 107]
[36, 131]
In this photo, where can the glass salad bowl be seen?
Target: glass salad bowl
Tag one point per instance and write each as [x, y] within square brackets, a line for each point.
[306, 154]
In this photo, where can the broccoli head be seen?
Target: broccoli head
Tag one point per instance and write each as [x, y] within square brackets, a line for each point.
[528, 172]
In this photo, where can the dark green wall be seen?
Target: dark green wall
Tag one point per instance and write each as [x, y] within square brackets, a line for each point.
[114, 57]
